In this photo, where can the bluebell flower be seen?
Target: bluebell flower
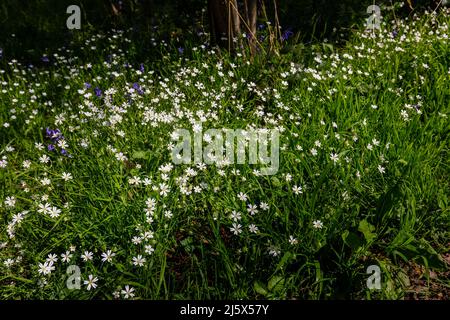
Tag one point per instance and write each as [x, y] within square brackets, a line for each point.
[51, 147]
[141, 67]
[48, 132]
[45, 59]
[98, 92]
[54, 135]
[288, 33]
[87, 85]
[180, 50]
[137, 87]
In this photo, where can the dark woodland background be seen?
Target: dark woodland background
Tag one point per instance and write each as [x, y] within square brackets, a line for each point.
[29, 26]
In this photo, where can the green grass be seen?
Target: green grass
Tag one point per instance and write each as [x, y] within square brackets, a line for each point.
[389, 113]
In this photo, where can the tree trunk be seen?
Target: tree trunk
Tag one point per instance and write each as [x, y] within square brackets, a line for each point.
[226, 22]
[251, 15]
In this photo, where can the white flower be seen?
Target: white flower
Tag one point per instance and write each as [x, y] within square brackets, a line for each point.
[168, 214]
[297, 189]
[317, 224]
[62, 144]
[235, 215]
[46, 268]
[91, 282]
[45, 181]
[66, 176]
[274, 251]
[236, 228]
[52, 258]
[65, 257]
[10, 201]
[44, 208]
[8, 262]
[86, 256]
[149, 249]
[120, 156]
[292, 240]
[163, 189]
[39, 146]
[264, 206]
[242, 196]
[334, 157]
[44, 159]
[134, 181]
[252, 209]
[149, 234]
[26, 164]
[139, 260]
[54, 212]
[107, 256]
[253, 228]
[128, 292]
[381, 169]
[375, 142]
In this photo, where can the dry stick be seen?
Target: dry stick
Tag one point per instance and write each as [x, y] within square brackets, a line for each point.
[269, 27]
[277, 21]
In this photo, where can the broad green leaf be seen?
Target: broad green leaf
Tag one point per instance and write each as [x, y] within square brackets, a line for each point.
[276, 283]
[367, 230]
[260, 288]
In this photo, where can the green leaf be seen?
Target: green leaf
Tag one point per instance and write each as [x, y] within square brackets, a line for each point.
[139, 154]
[367, 230]
[401, 239]
[283, 260]
[260, 288]
[276, 283]
[276, 182]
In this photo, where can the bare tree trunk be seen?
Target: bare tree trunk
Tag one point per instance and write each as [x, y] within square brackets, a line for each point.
[252, 7]
[226, 22]
[235, 22]
[218, 21]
